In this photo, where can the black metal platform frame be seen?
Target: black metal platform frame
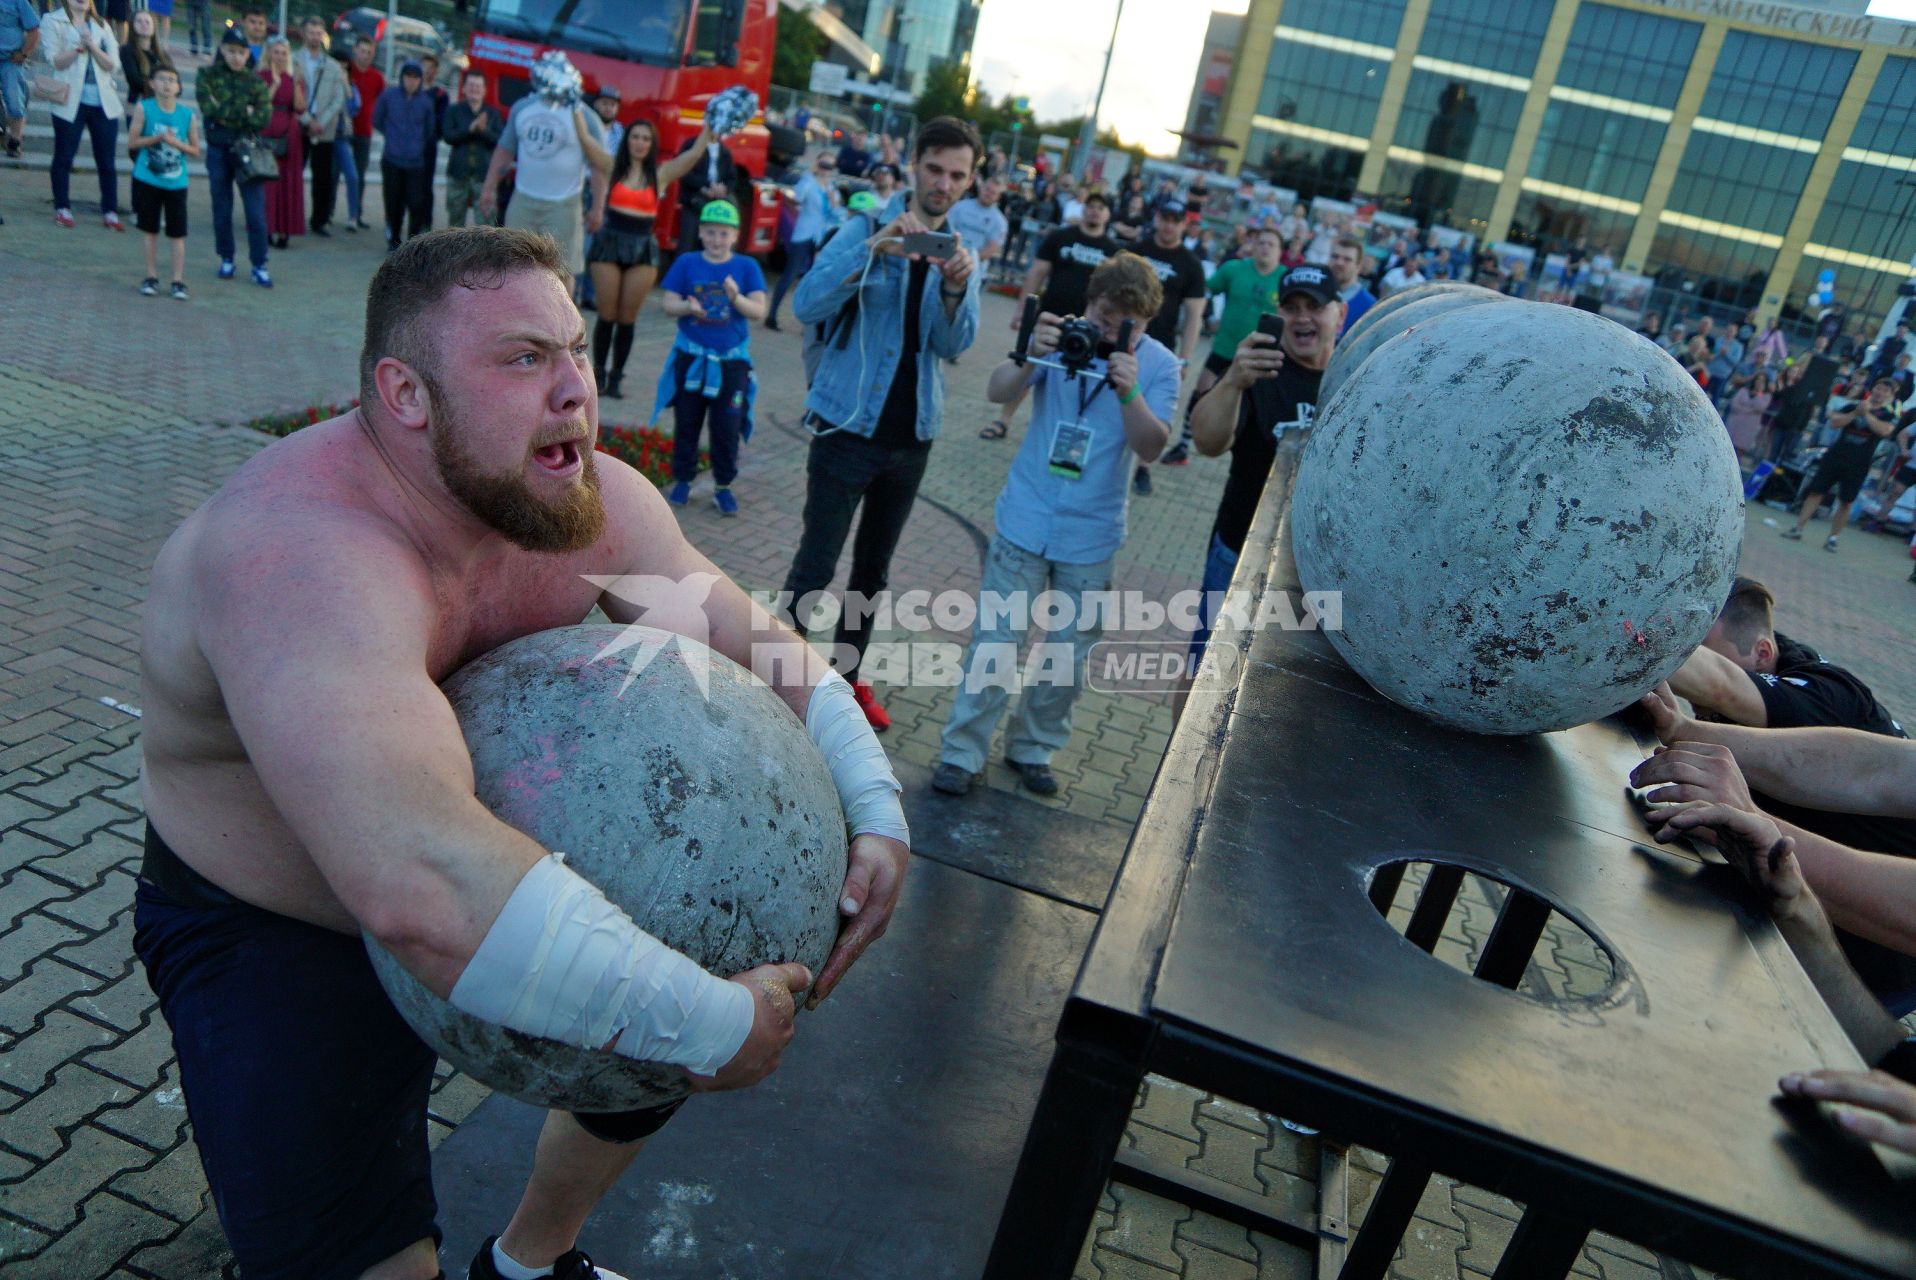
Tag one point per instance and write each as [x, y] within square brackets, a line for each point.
[1109, 1038]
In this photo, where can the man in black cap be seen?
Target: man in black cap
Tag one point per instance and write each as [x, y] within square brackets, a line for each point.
[1269, 388]
[408, 118]
[606, 102]
[1180, 320]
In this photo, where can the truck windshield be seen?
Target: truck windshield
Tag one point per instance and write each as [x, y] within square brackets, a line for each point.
[635, 30]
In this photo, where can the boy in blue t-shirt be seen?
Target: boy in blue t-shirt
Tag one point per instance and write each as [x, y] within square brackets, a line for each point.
[162, 134]
[715, 294]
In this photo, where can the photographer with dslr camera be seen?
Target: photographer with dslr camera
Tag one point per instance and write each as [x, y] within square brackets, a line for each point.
[1105, 392]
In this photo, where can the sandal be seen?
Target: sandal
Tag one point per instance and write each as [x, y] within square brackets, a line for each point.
[998, 430]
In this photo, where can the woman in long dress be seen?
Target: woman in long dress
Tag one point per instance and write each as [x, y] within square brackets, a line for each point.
[286, 194]
[1745, 419]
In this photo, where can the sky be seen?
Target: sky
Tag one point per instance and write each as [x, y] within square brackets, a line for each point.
[1052, 53]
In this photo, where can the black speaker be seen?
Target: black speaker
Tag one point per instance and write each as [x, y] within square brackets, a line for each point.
[1820, 377]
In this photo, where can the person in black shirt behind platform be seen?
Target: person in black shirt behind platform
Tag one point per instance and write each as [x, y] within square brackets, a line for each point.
[1748, 673]
[1060, 279]
[1844, 466]
[1180, 321]
[1269, 389]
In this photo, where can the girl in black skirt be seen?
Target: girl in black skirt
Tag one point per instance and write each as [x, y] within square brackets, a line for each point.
[624, 260]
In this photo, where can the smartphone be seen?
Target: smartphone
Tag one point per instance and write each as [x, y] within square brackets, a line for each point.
[1273, 324]
[931, 244]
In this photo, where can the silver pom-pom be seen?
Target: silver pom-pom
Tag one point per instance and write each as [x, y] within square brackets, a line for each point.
[731, 110]
[556, 80]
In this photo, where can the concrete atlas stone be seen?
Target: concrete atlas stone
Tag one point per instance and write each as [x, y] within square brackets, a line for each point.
[1389, 306]
[1347, 359]
[707, 815]
[1532, 513]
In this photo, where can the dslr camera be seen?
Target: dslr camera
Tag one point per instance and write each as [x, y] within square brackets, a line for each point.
[1080, 343]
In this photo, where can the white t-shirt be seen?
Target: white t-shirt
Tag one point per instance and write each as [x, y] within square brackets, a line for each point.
[980, 225]
[552, 164]
[1398, 279]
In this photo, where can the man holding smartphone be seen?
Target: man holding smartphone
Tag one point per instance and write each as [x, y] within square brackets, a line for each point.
[893, 312]
[1862, 424]
[1269, 387]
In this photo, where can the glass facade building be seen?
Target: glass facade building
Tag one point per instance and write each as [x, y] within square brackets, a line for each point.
[1735, 153]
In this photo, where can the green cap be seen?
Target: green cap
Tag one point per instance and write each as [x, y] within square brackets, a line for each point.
[862, 200]
[723, 212]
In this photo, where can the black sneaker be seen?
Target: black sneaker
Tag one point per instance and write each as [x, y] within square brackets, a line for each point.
[1141, 482]
[321, 232]
[13, 149]
[1176, 456]
[951, 780]
[1037, 778]
[771, 322]
[150, 287]
[569, 1266]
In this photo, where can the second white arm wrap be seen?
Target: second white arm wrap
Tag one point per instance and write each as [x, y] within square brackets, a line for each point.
[564, 963]
[867, 788]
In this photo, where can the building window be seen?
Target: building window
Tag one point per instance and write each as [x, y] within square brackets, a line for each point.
[1784, 86]
[1371, 21]
[1309, 168]
[1636, 56]
[1745, 184]
[1724, 269]
[1493, 34]
[1459, 119]
[1437, 197]
[1869, 216]
[1322, 88]
[1596, 150]
[1554, 224]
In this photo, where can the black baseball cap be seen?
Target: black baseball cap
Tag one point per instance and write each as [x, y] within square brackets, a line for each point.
[607, 91]
[1171, 207]
[234, 35]
[1095, 195]
[1314, 282]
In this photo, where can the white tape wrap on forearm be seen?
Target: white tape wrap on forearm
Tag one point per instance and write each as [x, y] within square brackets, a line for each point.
[564, 963]
[866, 785]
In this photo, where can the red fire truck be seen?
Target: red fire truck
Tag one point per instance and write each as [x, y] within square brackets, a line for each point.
[666, 57]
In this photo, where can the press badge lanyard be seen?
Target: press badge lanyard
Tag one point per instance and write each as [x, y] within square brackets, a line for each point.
[1071, 441]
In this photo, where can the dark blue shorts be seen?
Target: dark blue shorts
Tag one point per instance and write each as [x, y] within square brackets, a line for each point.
[306, 1089]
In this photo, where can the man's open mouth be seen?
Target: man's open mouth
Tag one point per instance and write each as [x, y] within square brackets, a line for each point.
[558, 458]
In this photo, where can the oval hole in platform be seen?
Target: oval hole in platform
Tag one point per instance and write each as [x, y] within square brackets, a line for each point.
[1492, 930]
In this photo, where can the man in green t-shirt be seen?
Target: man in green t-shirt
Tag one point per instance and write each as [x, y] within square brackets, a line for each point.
[1249, 286]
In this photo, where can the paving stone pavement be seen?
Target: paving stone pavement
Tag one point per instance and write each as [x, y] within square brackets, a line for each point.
[116, 418]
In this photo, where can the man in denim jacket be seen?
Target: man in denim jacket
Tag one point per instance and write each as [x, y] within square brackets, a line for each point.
[878, 398]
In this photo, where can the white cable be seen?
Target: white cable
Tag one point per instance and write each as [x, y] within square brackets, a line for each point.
[871, 256]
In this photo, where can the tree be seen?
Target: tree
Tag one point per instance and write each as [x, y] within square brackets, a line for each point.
[947, 92]
[799, 45]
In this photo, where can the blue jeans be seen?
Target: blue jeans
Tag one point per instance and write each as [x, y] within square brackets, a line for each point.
[199, 24]
[1219, 564]
[220, 172]
[1042, 725]
[13, 88]
[798, 260]
[347, 163]
[105, 131]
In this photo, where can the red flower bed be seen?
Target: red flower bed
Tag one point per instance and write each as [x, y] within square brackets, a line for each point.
[646, 450]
